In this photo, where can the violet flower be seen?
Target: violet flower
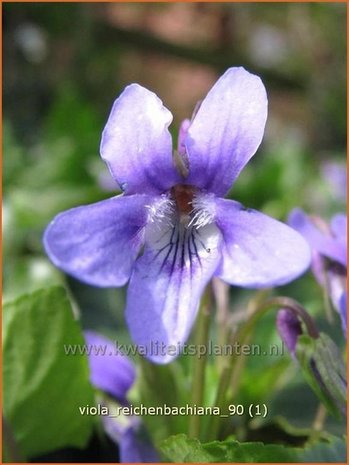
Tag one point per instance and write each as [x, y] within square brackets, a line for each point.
[329, 247]
[113, 373]
[171, 230]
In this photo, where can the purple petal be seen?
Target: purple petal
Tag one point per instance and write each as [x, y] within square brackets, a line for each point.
[135, 447]
[134, 444]
[343, 312]
[336, 283]
[318, 241]
[335, 174]
[289, 328]
[166, 286]
[226, 131]
[182, 134]
[98, 243]
[110, 370]
[318, 267]
[258, 250]
[136, 143]
[339, 228]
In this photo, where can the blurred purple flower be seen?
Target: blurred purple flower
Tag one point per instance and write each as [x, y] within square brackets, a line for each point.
[133, 441]
[329, 248]
[113, 373]
[335, 174]
[110, 371]
[171, 231]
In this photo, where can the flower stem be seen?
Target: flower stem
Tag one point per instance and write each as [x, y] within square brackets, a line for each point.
[199, 365]
[242, 336]
[221, 296]
[318, 423]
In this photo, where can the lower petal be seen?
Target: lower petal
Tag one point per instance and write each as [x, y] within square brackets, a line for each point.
[166, 286]
[99, 243]
[258, 251]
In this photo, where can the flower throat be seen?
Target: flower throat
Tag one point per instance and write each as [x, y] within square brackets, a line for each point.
[183, 196]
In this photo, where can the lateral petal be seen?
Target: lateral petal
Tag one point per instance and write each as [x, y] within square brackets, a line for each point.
[258, 251]
[99, 243]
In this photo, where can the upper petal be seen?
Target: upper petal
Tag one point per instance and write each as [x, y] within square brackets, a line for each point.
[98, 243]
[166, 286]
[136, 143]
[226, 130]
[258, 250]
[110, 370]
[324, 244]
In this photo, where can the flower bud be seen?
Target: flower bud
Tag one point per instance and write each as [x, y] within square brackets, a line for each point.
[289, 328]
[324, 370]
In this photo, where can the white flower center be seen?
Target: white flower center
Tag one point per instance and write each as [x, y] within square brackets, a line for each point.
[181, 228]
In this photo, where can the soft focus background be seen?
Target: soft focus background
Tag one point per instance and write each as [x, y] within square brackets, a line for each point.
[63, 66]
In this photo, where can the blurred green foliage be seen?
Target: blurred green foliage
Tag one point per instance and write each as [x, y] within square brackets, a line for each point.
[63, 66]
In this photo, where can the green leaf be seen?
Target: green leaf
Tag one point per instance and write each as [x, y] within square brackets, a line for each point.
[43, 387]
[178, 448]
[181, 449]
[329, 452]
